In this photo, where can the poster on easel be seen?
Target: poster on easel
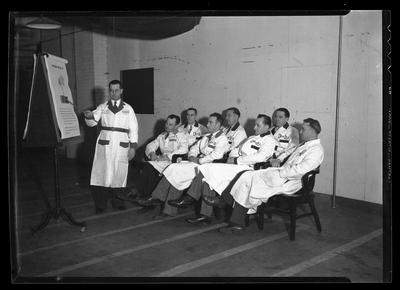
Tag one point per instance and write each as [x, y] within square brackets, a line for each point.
[66, 118]
[50, 88]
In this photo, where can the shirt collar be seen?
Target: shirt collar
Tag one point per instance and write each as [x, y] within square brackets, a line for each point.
[312, 142]
[232, 128]
[235, 127]
[168, 134]
[196, 124]
[275, 128]
[265, 134]
[111, 102]
[216, 134]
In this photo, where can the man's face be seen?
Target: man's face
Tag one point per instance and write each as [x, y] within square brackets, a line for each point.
[191, 116]
[170, 125]
[231, 118]
[260, 127]
[115, 92]
[213, 125]
[280, 119]
[306, 132]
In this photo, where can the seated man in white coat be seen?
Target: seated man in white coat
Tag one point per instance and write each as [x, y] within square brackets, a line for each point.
[215, 177]
[179, 176]
[286, 135]
[255, 187]
[169, 142]
[234, 131]
[194, 130]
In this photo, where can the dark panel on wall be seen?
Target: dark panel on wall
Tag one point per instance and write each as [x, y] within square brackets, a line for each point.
[139, 89]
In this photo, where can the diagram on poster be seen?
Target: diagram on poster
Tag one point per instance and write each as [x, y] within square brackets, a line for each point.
[58, 79]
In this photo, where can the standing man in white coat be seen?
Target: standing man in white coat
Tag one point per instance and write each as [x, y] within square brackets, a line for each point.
[116, 146]
[255, 187]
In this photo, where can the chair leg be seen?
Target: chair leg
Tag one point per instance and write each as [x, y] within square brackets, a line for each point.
[260, 214]
[228, 212]
[217, 212]
[315, 214]
[268, 212]
[293, 216]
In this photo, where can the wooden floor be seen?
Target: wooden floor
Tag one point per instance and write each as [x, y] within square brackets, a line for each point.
[126, 246]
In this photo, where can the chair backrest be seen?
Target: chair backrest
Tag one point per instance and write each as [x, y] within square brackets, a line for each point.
[308, 181]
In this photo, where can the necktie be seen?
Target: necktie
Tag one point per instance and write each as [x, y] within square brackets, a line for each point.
[274, 155]
[166, 136]
[190, 129]
[115, 105]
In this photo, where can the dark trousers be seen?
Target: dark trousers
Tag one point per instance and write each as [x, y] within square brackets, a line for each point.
[165, 191]
[199, 188]
[106, 194]
[148, 180]
[239, 212]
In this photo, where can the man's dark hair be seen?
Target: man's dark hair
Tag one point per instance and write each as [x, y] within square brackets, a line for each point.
[313, 124]
[235, 111]
[285, 111]
[266, 119]
[177, 119]
[220, 120]
[115, 82]
[192, 109]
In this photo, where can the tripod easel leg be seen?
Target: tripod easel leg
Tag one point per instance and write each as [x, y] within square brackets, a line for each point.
[44, 223]
[73, 221]
[57, 211]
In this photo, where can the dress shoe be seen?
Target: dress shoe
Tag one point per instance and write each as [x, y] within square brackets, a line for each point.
[182, 201]
[214, 200]
[199, 219]
[130, 196]
[148, 201]
[122, 207]
[232, 229]
[100, 210]
[160, 216]
[146, 209]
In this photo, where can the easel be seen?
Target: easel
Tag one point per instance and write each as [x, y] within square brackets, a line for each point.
[43, 131]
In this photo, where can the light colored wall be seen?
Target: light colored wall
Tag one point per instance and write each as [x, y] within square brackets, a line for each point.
[259, 64]
[91, 85]
[360, 125]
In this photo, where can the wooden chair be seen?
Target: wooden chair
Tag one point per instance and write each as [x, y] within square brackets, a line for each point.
[303, 196]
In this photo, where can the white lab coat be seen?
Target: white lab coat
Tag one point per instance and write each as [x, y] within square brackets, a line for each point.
[110, 163]
[255, 187]
[236, 135]
[169, 145]
[194, 132]
[181, 175]
[254, 150]
[288, 138]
